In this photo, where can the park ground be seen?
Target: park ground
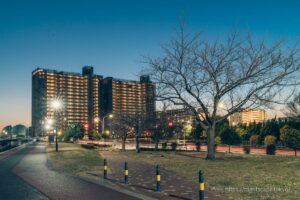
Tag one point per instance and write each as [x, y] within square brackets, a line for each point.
[233, 176]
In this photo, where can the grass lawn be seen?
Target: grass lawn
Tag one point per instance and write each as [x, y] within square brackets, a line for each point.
[74, 159]
[233, 175]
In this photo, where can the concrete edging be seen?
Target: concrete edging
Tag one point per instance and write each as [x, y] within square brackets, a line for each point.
[107, 184]
[15, 148]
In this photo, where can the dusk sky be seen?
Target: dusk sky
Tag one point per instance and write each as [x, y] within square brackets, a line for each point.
[113, 36]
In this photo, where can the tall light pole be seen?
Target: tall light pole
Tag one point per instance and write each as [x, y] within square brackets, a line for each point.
[57, 106]
[110, 116]
[96, 121]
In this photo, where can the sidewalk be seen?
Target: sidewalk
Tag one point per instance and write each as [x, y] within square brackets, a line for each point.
[60, 186]
[142, 179]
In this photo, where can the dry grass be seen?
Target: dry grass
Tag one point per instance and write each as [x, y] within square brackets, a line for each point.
[74, 159]
[235, 176]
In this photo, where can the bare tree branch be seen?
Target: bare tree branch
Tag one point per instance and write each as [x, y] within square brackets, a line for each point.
[239, 73]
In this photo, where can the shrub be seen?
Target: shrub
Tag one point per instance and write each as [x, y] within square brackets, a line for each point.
[230, 137]
[88, 146]
[270, 140]
[198, 146]
[292, 139]
[246, 149]
[174, 146]
[217, 142]
[283, 131]
[164, 145]
[254, 140]
[270, 150]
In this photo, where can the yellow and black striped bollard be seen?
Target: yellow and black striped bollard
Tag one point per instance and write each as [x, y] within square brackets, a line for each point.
[201, 185]
[125, 173]
[157, 178]
[105, 169]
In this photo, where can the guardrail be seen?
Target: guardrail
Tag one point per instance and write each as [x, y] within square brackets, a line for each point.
[6, 144]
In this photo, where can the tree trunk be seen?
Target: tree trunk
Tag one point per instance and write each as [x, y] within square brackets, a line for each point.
[137, 139]
[123, 140]
[228, 148]
[156, 144]
[295, 152]
[211, 143]
[137, 142]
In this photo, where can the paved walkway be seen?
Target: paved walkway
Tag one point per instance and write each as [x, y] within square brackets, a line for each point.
[142, 179]
[33, 169]
[13, 187]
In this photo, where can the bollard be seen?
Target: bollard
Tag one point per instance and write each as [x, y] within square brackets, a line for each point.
[125, 173]
[201, 185]
[157, 178]
[105, 169]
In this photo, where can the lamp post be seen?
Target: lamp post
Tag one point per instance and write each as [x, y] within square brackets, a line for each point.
[110, 116]
[56, 105]
[96, 122]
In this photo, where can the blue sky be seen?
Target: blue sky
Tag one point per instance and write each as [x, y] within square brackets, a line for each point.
[113, 35]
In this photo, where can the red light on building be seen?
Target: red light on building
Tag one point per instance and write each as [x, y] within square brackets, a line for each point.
[86, 126]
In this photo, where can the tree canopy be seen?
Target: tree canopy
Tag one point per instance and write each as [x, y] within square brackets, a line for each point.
[213, 77]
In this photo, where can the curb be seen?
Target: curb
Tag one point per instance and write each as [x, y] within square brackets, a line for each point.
[16, 148]
[116, 187]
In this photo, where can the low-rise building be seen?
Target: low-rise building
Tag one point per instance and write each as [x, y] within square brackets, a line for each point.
[247, 116]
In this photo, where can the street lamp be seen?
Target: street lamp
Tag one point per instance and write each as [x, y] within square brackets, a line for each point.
[110, 116]
[57, 106]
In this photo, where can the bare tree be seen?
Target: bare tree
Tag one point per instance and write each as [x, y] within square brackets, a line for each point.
[136, 122]
[161, 126]
[213, 78]
[293, 107]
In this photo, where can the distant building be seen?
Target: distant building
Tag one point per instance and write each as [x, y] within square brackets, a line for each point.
[87, 98]
[181, 115]
[247, 117]
[128, 98]
[78, 92]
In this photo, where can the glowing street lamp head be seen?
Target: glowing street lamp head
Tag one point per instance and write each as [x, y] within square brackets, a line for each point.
[111, 116]
[47, 126]
[56, 104]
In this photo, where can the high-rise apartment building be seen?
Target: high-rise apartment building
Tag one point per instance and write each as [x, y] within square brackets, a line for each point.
[125, 97]
[86, 98]
[247, 117]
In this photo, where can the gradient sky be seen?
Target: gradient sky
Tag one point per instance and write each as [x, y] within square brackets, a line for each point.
[113, 35]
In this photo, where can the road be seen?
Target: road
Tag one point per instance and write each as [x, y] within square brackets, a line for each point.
[25, 175]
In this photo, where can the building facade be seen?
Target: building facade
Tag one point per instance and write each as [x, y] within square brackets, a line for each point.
[247, 117]
[129, 98]
[86, 98]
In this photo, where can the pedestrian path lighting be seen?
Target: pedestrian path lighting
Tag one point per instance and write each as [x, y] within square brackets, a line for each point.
[57, 106]
[47, 126]
[103, 125]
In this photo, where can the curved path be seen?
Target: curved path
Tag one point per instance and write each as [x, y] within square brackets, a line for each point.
[46, 183]
[13, 187]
